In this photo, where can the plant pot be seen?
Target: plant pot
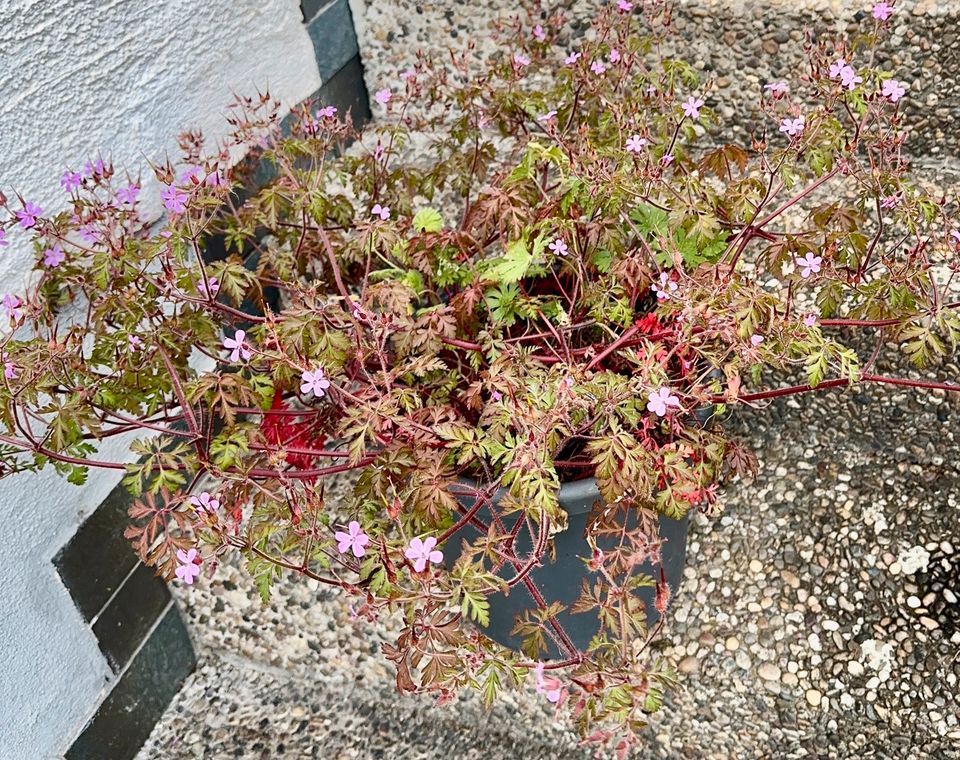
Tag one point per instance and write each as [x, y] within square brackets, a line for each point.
[561, 580]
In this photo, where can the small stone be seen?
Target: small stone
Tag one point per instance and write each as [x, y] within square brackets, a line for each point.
[813, 697]
[814, 641]
[768, 671]
[855, 668]
[688, 665]
[732, 644]
[756, 566]
[929, 623]
[913, 602]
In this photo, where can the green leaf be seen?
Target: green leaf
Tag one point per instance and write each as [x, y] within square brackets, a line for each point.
[428, 220]
[513, 265]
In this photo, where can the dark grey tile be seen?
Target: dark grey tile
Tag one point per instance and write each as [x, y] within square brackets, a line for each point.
[95, 561]
[347, 91]
[129, 616]
[140, 696]
[310, 8]
[334, 40]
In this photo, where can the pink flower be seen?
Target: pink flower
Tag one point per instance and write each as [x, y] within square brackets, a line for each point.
[539, 34]
[667, 159]
[11, 305]
[355, 540]
[191, 175]
[421, 551]
[891, 201]
[664, 288]
[893, 90]
[756, 340]
[635, 144]
[70, 181]
[597, 67]
[520, 60]
[661, 400]
[691, 107]
[134, 343]
[205, 503]
[209, 288]
[837, 67]
[572, 58]
[849, 78]
[189, 567]
[496, 396]
[383, 96]
[174, 199]
[408, 75]
[89, 233]
[955, 234]
[93, 167]
[810, 320]
[882, 11]
[614, 56]
[549, 686]
[27, 216]
[128, 195]
[559, 247]
[237, 346]
[624, 6]
[9, 368]
[327, 112]
[809, 264]
[53, 257]
[793, 127]
[314, 382]
[776, 88]
[548, 116]
[382, 211]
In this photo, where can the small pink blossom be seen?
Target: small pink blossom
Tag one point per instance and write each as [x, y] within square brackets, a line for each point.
[624, 6]
[849, 78]
[955, 234]
[614, 56]
[174, 199]
[327, 112]
[315, 382]
[667, 159]
[9, 368]
[408, 75]
[559, 247]
[53, 257]
[550, 686]
[882, 11]
[809, 264]
[837, 67]
[538, 33]
[496, 396]
[237, 346]
[382, 211]
[70, 181]
[383, 96]
[548, 116]
[209, 288]
[191, 175]
[665, 287]
[421, 551]
[205, 503]
[572, 58]
[893, 90]
[777, 88]
[635, 144]
[691, 107]
[520, 60]
[27, 216]
[189, 567]
[598, 67]
[88, 233]
[660, 400]
[92, 168]
[756, 340]
[891, 201]
[128, 195]
[354, 540]
[11, 305]
[134, 343]
[792, 127]
[810, 320]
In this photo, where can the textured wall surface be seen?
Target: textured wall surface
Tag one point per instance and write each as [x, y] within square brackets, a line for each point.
[121, 77]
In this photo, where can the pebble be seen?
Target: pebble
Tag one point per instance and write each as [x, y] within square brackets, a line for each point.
[813, 697]
[768, 671]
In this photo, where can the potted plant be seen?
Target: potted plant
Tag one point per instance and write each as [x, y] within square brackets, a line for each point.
[504, 313]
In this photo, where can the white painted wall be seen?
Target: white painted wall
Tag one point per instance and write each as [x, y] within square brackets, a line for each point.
[121, 77]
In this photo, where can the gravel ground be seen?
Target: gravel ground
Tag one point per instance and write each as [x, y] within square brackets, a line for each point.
[819, 615]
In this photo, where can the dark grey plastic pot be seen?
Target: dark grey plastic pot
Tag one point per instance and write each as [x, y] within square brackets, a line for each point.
[560, 581]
